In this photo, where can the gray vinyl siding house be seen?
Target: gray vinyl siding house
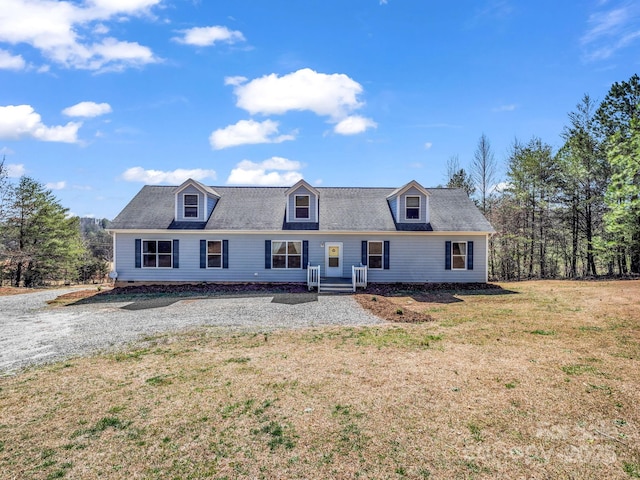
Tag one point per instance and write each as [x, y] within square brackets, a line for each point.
[196, 233]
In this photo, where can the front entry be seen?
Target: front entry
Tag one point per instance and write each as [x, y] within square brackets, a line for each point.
[333, 259]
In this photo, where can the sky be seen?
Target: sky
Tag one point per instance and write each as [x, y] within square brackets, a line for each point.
[100, 97]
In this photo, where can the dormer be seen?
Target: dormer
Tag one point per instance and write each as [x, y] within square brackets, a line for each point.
[194, 201]
[410, 204]
[302, 203]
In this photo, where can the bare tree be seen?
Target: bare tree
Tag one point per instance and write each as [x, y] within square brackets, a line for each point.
[453, 167]
[483, 170]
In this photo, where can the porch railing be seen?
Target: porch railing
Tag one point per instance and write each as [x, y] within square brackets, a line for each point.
[358, 277]
[313, 277]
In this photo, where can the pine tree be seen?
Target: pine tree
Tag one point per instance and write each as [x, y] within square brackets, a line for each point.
[42, 243]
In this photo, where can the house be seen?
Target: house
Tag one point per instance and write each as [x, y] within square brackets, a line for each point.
[197, 233]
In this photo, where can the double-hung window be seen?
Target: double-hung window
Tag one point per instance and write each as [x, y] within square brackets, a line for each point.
[190, 206]
[302, 207]
[412, 210]
[157, 254]
[374, 255]
[286, 254]
[459, 255]
[214, 254]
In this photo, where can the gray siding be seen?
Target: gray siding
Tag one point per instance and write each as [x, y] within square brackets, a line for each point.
[191, 190]
[413, 192]
[211, 204]
[413, 258]
[291, 206]
[393, 204]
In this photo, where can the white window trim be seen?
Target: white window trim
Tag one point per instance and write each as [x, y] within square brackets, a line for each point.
[375, 254]
[295, 206]
[406, 197]
[221, 255]
[286, 254]
[142, 254]
[466, 253]
[184, 205]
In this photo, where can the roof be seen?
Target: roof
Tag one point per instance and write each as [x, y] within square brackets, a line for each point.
[263, 209]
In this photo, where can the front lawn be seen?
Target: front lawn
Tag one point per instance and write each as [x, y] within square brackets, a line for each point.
[534, 380]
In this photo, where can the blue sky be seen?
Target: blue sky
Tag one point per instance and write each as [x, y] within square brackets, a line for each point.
[99, 97]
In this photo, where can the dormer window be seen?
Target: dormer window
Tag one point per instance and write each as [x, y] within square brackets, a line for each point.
[302, 207]
[190, 206]
[412, 208]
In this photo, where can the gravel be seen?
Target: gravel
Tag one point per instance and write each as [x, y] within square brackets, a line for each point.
[33, 333]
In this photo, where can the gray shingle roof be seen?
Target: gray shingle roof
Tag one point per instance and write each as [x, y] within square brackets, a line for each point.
[263, 208]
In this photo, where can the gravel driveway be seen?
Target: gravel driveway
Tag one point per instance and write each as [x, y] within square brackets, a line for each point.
[33, 333]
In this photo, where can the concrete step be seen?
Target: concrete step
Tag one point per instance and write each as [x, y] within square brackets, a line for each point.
[335, 286]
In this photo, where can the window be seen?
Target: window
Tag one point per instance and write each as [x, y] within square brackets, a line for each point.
[190, 206]
[214, 254]
[286, 254]
[459, 255]
[157, 254]
[302, 207]
[412, 208]
[375, 255]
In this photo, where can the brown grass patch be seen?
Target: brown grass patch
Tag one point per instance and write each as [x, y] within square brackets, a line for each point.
[541, 383]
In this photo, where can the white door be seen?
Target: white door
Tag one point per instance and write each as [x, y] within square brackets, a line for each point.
[333, 259]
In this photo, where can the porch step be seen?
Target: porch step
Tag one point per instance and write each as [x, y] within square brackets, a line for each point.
[335, 285]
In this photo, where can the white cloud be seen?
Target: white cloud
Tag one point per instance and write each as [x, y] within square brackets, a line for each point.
[56, 185]
[207, 36]
[11, 62]
[332, 95]
[15, 170]
[237, 80]
[505, 108]
[247, 132]
[428, 145]
[87, 109]
[611, 30]
[175, 177]
[353, 125]
[275, 171]
[70, 33]
[17, 121]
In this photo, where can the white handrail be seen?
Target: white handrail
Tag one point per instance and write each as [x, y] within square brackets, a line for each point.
[313, 277]
[358, 277]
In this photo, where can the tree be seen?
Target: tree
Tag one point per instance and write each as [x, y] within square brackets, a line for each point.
[619, 108]
[617, 119]
[532, 178]
[583, 177]
[623, 196]
[41, 241]
[483, 170]
[462, 180]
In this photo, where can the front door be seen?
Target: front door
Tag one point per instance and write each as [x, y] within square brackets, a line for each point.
[333, 259]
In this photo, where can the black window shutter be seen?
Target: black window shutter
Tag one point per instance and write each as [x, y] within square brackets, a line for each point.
[386, 254]
[469, 255]
[364, 253]
[138, 253]
[447, 255]
[267, 254]
[203, 254]
[225, 253]
[176, 254]
[305, 253]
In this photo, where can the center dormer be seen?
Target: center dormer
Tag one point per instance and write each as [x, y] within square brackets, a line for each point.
[410, 204]
[194, 201]
[302, 203]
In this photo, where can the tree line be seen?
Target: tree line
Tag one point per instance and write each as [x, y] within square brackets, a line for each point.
[40, 243]
[570, 213]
